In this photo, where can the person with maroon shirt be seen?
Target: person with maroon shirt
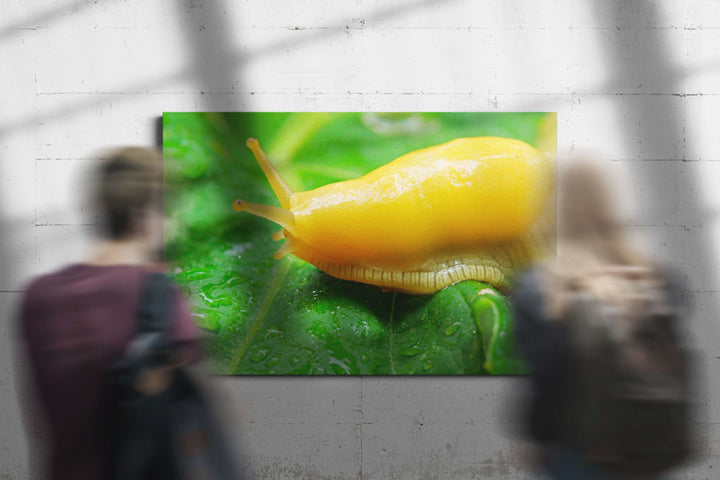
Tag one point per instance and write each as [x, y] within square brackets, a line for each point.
[78, 321]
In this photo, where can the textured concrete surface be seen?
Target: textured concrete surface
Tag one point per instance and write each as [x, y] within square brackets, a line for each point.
[638, 82]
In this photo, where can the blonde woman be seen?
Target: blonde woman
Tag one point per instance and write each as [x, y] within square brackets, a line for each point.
[594, 322]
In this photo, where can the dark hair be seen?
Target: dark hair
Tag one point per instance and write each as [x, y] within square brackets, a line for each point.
[129, 182]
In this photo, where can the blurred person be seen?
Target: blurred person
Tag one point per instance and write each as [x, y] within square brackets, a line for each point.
[78, 321]
[609, 389]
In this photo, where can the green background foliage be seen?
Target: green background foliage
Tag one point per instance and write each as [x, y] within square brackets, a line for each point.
[267, 316]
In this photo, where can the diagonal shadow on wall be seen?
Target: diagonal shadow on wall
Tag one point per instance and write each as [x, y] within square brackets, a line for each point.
[649, 55]
[46, 17]
[214, 62]
[213, 99]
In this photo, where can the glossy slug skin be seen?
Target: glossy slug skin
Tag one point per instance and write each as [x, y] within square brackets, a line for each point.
[466, 209]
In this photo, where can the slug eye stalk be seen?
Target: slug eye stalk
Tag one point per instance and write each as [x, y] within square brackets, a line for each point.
[282, 190]
[282, 217]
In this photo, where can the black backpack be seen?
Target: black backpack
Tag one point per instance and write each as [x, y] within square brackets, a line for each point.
[628, 405]
[169, 436]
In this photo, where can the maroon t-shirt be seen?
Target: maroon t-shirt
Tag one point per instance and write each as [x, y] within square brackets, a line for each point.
[76, 323]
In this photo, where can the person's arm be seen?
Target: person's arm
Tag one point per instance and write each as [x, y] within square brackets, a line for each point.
[543, 345]
[186, 349]
[184, 332]
[528, 304]
[33, 411]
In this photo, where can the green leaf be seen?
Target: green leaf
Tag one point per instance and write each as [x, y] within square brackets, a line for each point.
[285, 316]
[494, 320]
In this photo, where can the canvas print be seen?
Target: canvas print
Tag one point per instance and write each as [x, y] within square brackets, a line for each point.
[365, 243]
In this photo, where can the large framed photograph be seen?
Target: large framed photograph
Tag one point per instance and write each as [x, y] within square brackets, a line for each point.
[358, 243]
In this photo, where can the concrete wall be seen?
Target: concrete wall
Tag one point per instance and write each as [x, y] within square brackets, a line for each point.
[637, 81]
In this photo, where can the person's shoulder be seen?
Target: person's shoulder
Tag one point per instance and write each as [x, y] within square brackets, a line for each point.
[40, 292]
[528, 293]
[39, 284]
[530, 279]
[673, 284]
[80, 276]
[669, 274]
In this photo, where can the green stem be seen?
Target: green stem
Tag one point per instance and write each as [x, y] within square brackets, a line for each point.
[295, 132]
[256, 322]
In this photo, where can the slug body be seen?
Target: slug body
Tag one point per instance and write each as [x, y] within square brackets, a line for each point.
[461, 210]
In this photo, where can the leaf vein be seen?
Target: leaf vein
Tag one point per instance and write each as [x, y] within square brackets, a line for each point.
[260, 313]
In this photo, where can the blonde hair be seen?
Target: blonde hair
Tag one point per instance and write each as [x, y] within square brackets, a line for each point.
[593, 253]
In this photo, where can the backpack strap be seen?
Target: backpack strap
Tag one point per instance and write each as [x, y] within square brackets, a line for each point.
[151, 343]
[155, 304]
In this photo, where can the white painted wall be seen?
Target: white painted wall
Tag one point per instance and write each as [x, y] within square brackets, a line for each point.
[638, 81]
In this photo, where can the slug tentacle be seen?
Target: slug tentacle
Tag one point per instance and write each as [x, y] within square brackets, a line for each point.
[282, 251]
[282, 191]
[282, 217]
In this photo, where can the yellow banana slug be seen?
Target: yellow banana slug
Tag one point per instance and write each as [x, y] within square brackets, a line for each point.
[466, 209]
